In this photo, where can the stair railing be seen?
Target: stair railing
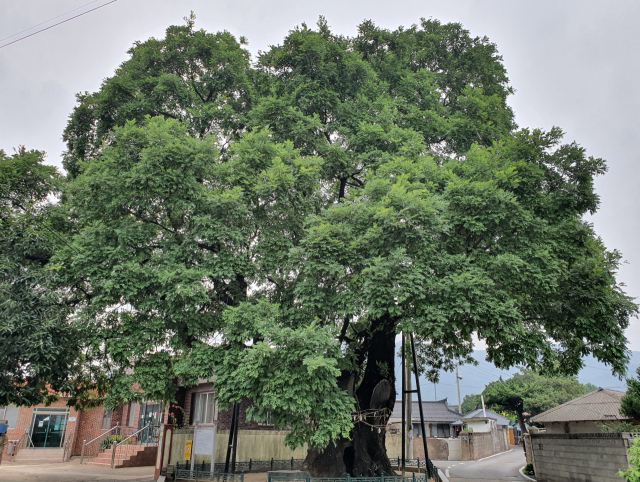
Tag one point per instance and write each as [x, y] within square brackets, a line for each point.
[68, 441]
[92, 447]
[127, 441]
[21, 443]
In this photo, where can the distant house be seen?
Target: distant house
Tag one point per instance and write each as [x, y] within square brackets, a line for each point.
[439, 418]
[583, 414]
[476, 420]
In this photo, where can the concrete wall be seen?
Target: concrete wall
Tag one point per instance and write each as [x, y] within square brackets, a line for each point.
[594, 457]
[438, 447]
[572, 427]
[252, 444]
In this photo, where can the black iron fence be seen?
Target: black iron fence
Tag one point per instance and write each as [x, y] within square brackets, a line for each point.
[208, 475]
[304, 477]
[250, 466]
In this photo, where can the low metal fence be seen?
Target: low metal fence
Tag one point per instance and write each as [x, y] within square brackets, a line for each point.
[207, 475]
[417, 463]
[303, 477]
[250, 466]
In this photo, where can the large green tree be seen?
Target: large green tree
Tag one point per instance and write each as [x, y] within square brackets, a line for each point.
[532, 393]
[278, 223]
[38, 346]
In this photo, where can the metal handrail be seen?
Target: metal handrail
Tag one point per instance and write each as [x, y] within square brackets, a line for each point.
[115, 446]
[102, 435]
[17, 445]
[67, 443]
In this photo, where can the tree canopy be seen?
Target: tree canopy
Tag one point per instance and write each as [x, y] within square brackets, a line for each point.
[630, 403]
[532, 393]
[277, 222]
[38, 347]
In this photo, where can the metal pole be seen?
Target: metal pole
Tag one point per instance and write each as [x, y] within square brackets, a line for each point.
[235, 441]
[404, 394]
[82, 451]
[458, 385]
[193, 447]
[230, 443]
[424, 433]
[409, 411]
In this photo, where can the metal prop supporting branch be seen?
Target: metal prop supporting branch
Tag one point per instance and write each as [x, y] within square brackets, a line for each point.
[404, 392]
[233, 440]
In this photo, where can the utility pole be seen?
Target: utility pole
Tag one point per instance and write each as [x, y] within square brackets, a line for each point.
[435, 391]
[458, 385]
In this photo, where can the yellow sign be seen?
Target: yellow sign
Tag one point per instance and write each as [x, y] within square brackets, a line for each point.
[187, 450]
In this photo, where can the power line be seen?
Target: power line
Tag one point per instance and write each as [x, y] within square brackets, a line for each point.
[47, 21]
[56, 24]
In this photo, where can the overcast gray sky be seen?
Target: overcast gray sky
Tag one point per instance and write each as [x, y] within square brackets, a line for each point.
[574, 64]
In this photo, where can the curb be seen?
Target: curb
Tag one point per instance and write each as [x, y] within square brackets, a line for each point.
[442, 476]
[526, 476]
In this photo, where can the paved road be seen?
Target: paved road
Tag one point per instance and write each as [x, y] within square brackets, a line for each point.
[73, 472]
[504, 466]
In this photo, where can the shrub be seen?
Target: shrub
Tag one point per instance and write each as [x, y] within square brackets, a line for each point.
[107, 442]
[528, 470]
[632, 474]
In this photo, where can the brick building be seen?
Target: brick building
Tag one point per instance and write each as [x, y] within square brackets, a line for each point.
[52, 426]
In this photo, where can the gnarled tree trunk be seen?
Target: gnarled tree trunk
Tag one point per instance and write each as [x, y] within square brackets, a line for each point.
[365, 453]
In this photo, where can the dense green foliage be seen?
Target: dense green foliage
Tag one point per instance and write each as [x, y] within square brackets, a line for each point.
[532, 393]
[470, 402]
[632, 473]
[37, 345]
[630, 403]
[277, 223]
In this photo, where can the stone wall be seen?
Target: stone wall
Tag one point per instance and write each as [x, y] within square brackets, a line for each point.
[593, 457]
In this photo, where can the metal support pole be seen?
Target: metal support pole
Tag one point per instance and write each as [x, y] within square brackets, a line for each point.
[235, 441]
[424, 433]
[404, 395]
[230, 443]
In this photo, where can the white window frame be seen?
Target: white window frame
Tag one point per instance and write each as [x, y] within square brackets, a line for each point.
[205, 408]
[106, 419]
[268, 420]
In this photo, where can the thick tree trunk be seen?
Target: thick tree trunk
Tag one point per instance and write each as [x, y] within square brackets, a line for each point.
[365, 453]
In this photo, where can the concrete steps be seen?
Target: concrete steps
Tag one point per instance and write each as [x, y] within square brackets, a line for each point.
[33, 456]
[127, 456]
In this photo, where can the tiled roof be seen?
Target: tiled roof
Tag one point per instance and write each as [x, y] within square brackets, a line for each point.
[500, 419]
[434, 411]
[599, 405]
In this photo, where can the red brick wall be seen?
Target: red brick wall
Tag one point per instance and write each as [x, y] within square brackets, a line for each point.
[224, 416]
[23, 421]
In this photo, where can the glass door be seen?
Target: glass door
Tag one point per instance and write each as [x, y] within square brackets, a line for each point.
[48, 429]
[150, 413]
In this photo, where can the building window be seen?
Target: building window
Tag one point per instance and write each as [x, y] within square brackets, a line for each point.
[10, 414]
[267, 419]
[132, 412]
[106, 419]
[204, 408]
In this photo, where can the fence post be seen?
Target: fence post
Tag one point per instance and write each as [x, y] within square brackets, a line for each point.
[250, 465]
[418, 458]
[414, 477]
[271, 463]
[113, 454]
[82, 452]
[291, 463]
[196, 473]
[269, 477]
[382, 477]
